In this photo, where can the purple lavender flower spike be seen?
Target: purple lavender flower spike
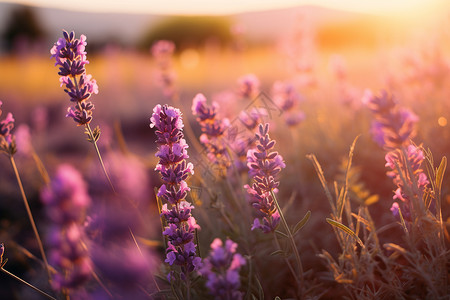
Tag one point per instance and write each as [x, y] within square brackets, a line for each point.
[7, 139]
[392, 127]
[414, 158]
[248, 86]
[213, 129]
[162, 51]
[174, 170]
[221, 269]
[66, 201]
[264, 165]
[70, 56]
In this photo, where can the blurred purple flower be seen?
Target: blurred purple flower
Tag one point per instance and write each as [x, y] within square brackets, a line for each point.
[162, 51]
[252, 118]
[66, 199]
[264, 165]
[23, 140]
[213, 129]
[69, 256]
[129, 175]
[294, 118]
[287, 99]
[70, 56]
[248, 86]
[392, 127]
[221, 269]
[124, 267]
[7, 139]
[174, 171]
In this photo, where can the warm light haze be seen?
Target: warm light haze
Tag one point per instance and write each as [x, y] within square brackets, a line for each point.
[221, 7]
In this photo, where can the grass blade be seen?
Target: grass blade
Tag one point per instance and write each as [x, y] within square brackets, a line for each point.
[346, 230]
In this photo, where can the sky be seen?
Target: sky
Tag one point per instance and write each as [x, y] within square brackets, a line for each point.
[218, 7]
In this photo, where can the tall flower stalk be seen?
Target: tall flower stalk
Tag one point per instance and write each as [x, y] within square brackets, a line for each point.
[70, 56]
[66, 201]
[8, 146]
[393, 128]
[179, 224]
[264, 165]
[213, 132]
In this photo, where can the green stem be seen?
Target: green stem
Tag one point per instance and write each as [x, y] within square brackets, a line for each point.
[30, 216]
[288, 264]
[291, 238]
[92, 139]
[94, 142]
[27, 284]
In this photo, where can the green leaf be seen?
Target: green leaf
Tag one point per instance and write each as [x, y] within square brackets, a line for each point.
[301, 223]
[346, 230]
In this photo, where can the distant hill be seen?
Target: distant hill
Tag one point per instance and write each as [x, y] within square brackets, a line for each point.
[332, 26]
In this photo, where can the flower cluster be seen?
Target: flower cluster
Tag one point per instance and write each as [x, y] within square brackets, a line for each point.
[287, 98]
[213, 129]
[162, 51]
[248, 86]
[66, 201]
[419, 182]
[174, 170]
[264, 164]
[221, 269]
[392, 127]
[7, 140]
[70, 56]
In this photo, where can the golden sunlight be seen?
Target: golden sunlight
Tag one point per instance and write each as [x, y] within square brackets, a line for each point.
[222, 7]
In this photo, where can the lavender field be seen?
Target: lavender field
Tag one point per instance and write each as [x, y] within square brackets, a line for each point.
[304, 163]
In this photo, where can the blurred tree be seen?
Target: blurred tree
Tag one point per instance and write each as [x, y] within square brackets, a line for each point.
[22, 29]
[189, 31]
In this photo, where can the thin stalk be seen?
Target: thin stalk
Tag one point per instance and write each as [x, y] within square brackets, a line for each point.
[291, 238]
[30, 216]
[94, 142]
[188, 287]
[289, 265]
[27, 284]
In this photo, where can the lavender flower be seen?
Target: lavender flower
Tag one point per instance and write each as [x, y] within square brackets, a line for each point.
[248, 86]
[287, 99]
[70, 56]
[213, 129]
[163, 51]
[66, 198]
[7, 139]
[414, 158]
[264, 165]
[221, 269]
[174, 170]
[66, 201]
[392, 126]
